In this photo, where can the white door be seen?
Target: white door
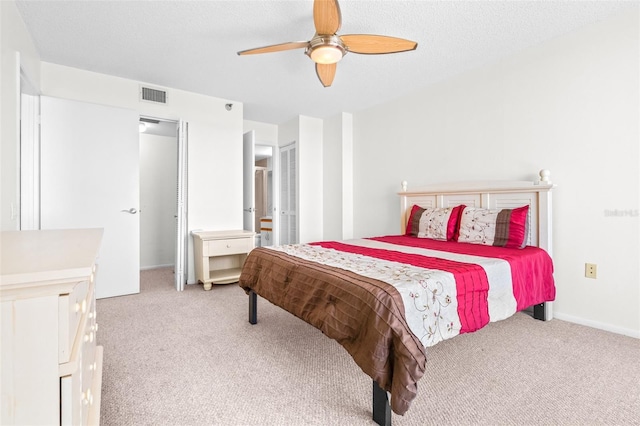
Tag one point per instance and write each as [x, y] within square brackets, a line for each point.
[180, 271]
[90, 179]
[248, 181]
[288, 195]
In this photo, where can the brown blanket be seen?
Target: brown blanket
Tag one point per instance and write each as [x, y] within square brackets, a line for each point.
[364, 315]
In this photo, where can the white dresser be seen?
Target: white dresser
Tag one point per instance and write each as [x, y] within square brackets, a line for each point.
[50, 366]
[219, 255]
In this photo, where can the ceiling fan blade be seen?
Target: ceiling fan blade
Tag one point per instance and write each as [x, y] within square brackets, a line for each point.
[326, 16]
[375, 44]
[326, 73]
[275, 48]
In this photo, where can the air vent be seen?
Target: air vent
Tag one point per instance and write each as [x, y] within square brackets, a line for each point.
[153, 95]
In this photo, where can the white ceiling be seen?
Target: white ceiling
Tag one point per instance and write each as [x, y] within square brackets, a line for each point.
[192, 45]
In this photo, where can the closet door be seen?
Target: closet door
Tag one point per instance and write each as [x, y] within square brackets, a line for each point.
[182, 236]
[248, 181]
[288, 195]
[89, 173]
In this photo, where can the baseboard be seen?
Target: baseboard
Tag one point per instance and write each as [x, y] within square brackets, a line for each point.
[146, 268]
[599, 325]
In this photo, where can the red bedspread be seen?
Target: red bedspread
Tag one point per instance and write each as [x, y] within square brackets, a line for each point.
[531, 267]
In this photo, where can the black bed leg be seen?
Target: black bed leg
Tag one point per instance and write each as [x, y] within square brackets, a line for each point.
[253, 307]
[539, 312]
[381, 408]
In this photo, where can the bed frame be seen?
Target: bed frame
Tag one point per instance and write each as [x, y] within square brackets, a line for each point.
[488, 194]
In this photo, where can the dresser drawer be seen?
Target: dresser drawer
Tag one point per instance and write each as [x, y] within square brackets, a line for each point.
[77, 392]
[71, 308]
[71, 399]
[229, 246]
[76, 399]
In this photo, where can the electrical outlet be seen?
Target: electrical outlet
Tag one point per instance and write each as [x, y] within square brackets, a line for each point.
[590, 270]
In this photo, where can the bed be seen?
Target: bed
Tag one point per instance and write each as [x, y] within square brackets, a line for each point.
[468, 254]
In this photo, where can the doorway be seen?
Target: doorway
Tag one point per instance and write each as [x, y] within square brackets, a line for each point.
[158, 181]
[162, 196]
[264, 195]
[260, 200]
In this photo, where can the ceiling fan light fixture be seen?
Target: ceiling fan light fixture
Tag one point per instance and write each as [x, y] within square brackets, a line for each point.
[326, 49]
[326, 54]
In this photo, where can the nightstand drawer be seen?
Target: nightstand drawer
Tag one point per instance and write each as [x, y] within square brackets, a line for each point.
[229, 246]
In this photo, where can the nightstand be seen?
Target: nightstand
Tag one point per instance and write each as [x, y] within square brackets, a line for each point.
[219, 255]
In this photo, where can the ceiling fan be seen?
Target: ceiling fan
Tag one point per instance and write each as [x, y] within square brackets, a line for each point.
[326, 47]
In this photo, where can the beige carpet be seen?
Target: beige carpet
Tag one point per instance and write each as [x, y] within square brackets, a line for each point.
[191, 358]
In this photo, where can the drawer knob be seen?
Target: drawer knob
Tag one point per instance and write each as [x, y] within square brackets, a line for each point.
[84, 306]
[76, 307]
[86, 338]
[87, 398]
[228, 245]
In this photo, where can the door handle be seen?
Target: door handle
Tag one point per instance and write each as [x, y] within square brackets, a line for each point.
[130, 211]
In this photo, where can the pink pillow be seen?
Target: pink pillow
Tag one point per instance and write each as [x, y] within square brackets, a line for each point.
[495, 227]
[435, 223]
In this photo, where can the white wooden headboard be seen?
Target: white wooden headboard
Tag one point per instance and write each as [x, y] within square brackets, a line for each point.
[491, 195]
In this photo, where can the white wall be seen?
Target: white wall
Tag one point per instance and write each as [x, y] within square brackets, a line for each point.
[17, 52]
[158, 183]
[266, 134]
[215, 140]
[310, 202]
[338, 177]
[347, 176]
[332, 179]
[570, 105]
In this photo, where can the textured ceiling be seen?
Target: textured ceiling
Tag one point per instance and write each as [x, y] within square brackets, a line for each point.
[192, 45]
